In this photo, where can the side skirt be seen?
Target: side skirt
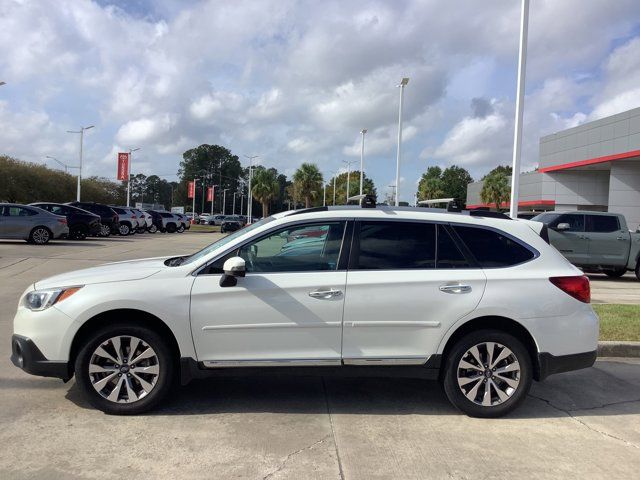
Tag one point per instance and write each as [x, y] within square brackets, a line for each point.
[190, 369]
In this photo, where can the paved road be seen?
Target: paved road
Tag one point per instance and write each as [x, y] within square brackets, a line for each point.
[621, 290]
[580, 425]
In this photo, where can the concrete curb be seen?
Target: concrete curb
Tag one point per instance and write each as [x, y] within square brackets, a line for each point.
[619, 349]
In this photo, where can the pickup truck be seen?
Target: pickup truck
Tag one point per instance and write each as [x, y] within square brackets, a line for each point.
[594, 241]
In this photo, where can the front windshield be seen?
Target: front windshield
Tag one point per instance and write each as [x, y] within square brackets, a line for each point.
[224, 240]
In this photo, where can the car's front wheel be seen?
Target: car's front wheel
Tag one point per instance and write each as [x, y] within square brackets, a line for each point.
[153, 228]
[124, 369]
[105, 230]
[617, 273]
[487, 373]
[40, 236]
[124, 229]
[180, 229]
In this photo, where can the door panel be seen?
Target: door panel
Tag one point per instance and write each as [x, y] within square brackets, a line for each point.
[608, 244]
[402, 314]
[572, 243]
[268, 316]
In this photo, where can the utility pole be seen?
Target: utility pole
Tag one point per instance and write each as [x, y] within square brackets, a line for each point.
[249, 195]
[81, 132]
[193, 208]
[224, 201]
[403, 83]
[348, 162]
[131, 150]
[517, 135]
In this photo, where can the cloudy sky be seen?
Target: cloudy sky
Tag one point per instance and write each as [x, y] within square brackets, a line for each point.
[296, 81]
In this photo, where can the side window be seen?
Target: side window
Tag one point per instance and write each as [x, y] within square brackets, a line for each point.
[602, 223]
[20, 212]
[296, 249]
[575, 221]
[448, 254]
[57, 209]
[493, 249]
[396, 245]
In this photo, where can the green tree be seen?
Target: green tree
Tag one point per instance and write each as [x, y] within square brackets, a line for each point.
[308, 182]
[505, 169]
[265, 187]
[368, 187]
[495, 189]
[450, 183]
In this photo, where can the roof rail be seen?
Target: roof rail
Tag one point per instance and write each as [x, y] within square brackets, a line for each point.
[309, 210]
[488, 214]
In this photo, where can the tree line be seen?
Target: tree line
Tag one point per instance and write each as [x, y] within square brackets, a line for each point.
[217, 166]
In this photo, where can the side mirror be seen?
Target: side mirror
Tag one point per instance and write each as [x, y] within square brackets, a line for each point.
[563, 226]
[233, 268]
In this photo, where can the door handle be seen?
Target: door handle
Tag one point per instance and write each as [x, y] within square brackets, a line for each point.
[331, 293]
[622, 239]
[456, 288]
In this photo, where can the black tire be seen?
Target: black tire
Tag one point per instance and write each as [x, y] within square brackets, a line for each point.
[164, 381]
[40, 235]
[180, 229]
[124, 229]
[152, 229]
[79, 232]
[454, 391]
[171, 228]
[615, 273]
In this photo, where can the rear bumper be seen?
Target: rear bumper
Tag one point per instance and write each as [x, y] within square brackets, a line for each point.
[26, 355]
[550, 364]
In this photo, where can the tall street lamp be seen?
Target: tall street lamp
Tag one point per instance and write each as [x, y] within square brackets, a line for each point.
[131, 150]
[348, 162]
[193, 208]
[224, 201]
[81, 132]
[234, 202]
[363, 133]
[403, 83]
[335, 174]
[66, 167]
[517, 135]
[249, 194]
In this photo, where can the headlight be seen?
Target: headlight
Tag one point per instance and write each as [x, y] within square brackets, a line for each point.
[42, 299]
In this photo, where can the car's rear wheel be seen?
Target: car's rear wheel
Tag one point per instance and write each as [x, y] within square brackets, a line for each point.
[171, 228]
[105, 230]
[617, 273]
[152, 229]
[124, 229]
[124, 369]
[487, 373]
[40, 236]
[79, 232]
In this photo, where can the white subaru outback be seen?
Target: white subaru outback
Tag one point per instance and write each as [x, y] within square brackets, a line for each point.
[483, 304]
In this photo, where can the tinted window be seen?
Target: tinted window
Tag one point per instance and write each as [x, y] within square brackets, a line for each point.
[575, 221]
[448, 254]
[492, 248]
[396, 245]
[166, 215]
[19, 212]
[296, 249]
[602, 223]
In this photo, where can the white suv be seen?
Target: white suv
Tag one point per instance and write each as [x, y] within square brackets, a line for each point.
[483, 304]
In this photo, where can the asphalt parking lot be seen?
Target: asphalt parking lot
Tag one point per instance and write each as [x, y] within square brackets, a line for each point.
[584, 424]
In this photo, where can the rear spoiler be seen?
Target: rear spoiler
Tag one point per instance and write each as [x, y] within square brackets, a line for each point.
[538, 227]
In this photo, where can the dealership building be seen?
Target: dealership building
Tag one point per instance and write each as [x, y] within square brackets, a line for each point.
[595, 166]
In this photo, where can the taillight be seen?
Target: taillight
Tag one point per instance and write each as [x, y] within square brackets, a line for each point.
[62, 220]
[576, 286]
[133, 216]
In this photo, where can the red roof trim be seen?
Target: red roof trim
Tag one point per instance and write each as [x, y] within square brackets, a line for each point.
[591, 161]
[528, 203]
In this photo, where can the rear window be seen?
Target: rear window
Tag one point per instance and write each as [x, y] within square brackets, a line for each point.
[493, 249]
[602, 223]
[166, 215]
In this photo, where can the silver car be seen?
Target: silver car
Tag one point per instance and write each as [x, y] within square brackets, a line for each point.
[31, 224]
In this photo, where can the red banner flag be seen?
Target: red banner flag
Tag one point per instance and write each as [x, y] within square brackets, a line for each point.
[123, 166]
[210, 194]
[191, 190]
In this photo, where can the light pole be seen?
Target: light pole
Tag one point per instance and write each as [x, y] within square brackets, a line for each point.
[517, 134]
[131, 150]
[348, 162]
[3, 83]
[224, 201]
[394, 193]
[81, 132]
[241, 201]
[335, 174]
[213, 197]
[363, 132]
[403, 83]
[66, 167]
[234, 202]
[249, 195]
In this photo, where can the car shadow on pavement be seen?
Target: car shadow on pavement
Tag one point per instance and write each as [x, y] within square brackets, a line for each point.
[592, 391]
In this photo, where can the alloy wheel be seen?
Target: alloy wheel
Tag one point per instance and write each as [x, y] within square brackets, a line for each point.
[105, 231]
[124, 229]
[40, 236]
[124, 369]
[488, 374]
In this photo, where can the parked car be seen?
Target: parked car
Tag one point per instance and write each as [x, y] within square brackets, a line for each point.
[108, 217]
[447, 296]
[231, 223]
[594, 241]
[203, 218]
[156, 221]
[128, 220]
[81, 223]
[216, 219]
[185, 221]
[31, 224]
[193, 217]
[168, 222]
[142, 222]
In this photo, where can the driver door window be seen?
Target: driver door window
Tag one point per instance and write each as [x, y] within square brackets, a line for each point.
[300, 248]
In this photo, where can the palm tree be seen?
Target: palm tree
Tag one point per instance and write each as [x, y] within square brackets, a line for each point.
[308, 181]
[495, 189]
[264, 187]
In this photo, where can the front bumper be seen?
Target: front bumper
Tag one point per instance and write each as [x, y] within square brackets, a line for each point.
[549, 364]
[26, 355]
